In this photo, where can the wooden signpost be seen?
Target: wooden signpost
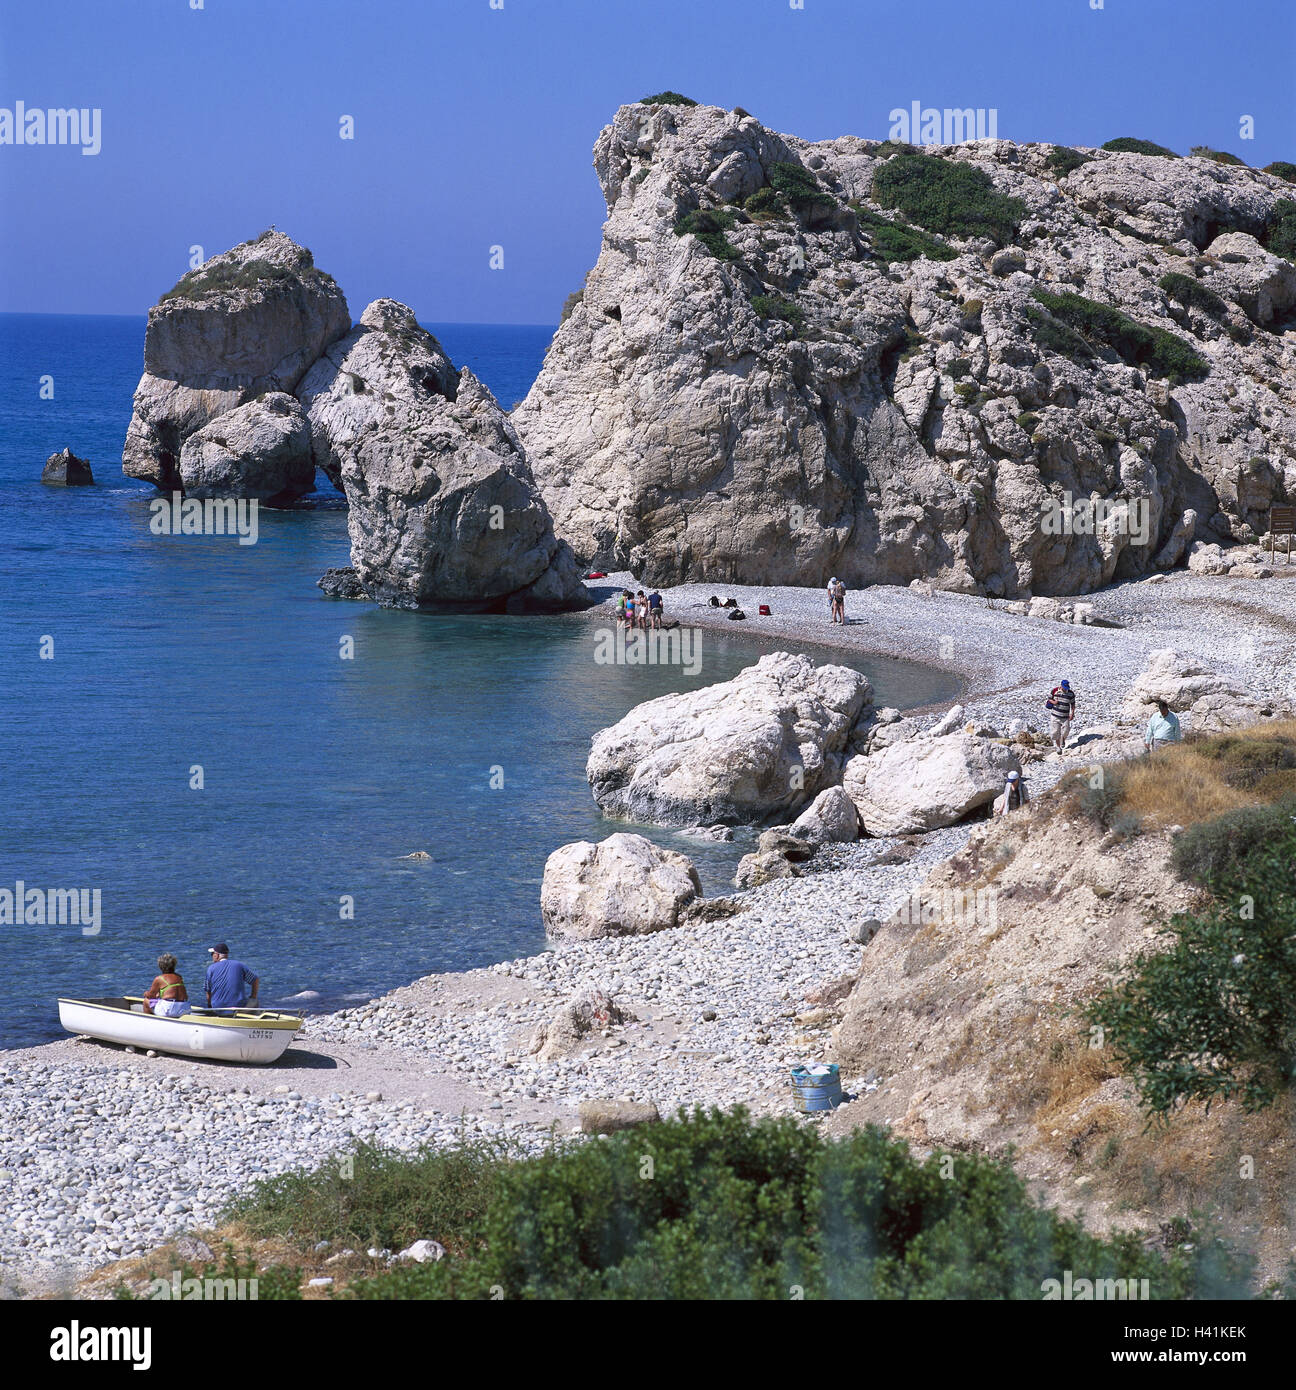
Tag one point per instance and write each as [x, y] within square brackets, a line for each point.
[1282, 522]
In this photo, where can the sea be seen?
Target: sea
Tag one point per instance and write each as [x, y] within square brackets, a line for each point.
[184, 741]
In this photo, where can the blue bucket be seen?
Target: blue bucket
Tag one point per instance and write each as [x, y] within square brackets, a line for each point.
[817, 1091]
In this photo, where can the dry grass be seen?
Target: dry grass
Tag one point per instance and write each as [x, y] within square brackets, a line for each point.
[1179, 787]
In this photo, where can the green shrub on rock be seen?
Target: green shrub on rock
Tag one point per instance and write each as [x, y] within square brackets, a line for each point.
[947, 197]
[891, 242]
[667, 99]
[1282, 169]
[766, 203]
[1126, 144]
[774, 306]
[1280, 233]
[709, 226]
[799, 186]
[1162, 354]
[1064, 160]
[1192, 293]
[1218, 156]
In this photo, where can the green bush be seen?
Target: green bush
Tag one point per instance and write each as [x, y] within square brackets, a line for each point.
[947, 197]
[1162, 354]
[274, 1284]
[1126, 144]
[799, 186]
[222, 276]
[959, 368]
[390, 1199]
[569, 304]
[891, 242]
[1189, 291]
[1246, 762]
[774, 306]
[1279, 235]
[1027, 420]
[715, 1206]
[709, 226]
[1219, 156]
[667, 99]
[889, 148]
[970, 316]
[1065, 160]
[1280, 168]
[766, 203]
[966, 390]
[1214, 1016]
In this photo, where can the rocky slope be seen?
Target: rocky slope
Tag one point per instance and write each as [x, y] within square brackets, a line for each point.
[771, 377]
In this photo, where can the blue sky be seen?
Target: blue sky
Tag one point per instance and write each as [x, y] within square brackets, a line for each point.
[474, 125]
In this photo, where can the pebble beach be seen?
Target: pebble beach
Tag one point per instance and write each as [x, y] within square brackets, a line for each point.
[106, 1154]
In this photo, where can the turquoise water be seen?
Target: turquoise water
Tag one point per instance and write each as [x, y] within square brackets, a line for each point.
[318, 773]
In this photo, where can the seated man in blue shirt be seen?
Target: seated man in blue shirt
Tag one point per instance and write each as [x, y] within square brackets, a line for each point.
[228, 981]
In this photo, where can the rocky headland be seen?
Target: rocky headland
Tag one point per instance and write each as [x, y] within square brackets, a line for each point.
[853, 357]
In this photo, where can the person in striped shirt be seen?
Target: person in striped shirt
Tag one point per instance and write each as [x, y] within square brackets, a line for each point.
[1061, 706]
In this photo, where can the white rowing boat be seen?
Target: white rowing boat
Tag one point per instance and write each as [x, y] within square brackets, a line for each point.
[228, 1035]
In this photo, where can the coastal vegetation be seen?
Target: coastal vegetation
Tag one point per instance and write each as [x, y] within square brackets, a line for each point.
[892, 241]
[947, 198]
[667, 99]
[1079, 325]
[1218, 156]
[766, 203]
[799, 187]
[1063, 160]
[775, 306]
[1127, 144]
[1191, 293]
[1282, 169]
[1280, 230]
[713, 1205]
[709, 226]
[1210, 1014]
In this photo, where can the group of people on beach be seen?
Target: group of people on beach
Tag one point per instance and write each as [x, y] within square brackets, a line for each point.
[1162, 728]
[836, 601]
[639, 610]
[228, 984]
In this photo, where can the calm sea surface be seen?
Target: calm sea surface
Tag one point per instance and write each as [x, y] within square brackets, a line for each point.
[172, 654]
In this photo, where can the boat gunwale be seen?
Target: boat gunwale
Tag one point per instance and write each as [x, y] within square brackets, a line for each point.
[278, 1021]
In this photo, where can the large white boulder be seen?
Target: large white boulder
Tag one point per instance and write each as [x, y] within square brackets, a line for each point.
[1177, 679]
[927, 783]
[752, 749]
[623, 886]
[830, 818]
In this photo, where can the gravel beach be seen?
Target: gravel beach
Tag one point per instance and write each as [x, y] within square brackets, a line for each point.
[106, 1154]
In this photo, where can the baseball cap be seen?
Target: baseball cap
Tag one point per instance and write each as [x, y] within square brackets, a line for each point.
[220, 948]
[1066, 685]
[1013, 776]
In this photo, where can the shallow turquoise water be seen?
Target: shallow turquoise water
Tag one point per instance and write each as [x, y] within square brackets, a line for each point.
[319, 773]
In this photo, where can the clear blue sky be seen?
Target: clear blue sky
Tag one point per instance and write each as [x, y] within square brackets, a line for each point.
[474, 126]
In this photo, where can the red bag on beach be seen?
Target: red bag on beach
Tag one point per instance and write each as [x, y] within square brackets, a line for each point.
[763, 610]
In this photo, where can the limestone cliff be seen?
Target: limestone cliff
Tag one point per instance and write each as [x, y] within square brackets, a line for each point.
[792, 360]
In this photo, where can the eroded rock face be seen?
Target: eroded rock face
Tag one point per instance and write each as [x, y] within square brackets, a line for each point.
[915, 424]
[442, 507]
[261, 449]
[744, 751]
[247, 322]
[623, 886]
[927, 783]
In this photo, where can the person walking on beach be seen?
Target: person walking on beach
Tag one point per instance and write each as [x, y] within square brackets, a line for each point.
[1061, 707]
[839, 602]
[228, 981]
[1162, 728]
[1014, 797]
[167, 997]
[655, 608]
[832, 605]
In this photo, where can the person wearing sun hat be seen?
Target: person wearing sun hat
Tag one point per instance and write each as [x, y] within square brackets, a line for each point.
[1014, 795]
[228, 981]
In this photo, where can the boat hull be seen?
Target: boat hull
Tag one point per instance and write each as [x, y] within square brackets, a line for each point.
[244, 1035]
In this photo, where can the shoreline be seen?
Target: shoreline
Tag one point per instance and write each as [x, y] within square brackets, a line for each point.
[135, 1151]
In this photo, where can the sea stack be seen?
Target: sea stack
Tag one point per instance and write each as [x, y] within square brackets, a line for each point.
[234, 333]
[442, 508]
[66, 470]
